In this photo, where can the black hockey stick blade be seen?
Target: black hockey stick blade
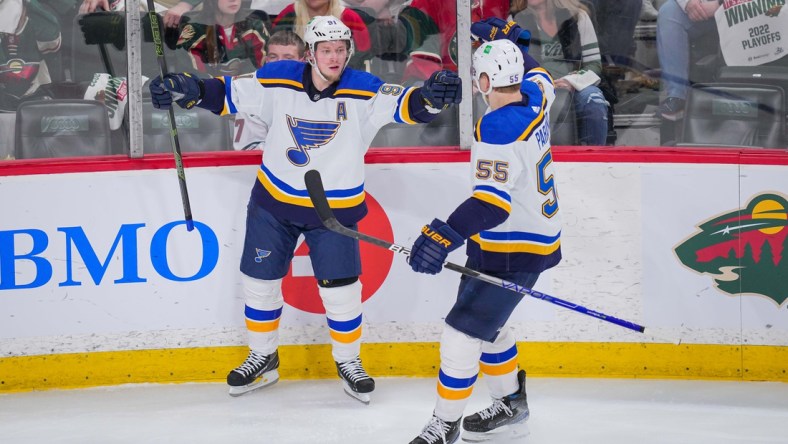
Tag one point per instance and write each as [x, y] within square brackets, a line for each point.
[317, 194]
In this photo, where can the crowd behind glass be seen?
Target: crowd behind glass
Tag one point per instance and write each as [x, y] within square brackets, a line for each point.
[628, 72]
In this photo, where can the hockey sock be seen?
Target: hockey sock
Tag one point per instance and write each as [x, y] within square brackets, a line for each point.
[343, 313]
[499, 364]
[459, 370]
[263, 309]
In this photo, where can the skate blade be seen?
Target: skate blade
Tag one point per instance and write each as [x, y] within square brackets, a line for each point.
[364, 398]
[505, 434]
[269, 378]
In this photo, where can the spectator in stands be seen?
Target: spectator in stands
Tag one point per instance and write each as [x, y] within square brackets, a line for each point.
[295, 16]
[565, 43]
[683, 22]
[648, 12]
[29, 35]
[285, 45]
[615, 22]
[404, 40]
[174, 15]
[223, 40]
[444, 14]
[678, 22]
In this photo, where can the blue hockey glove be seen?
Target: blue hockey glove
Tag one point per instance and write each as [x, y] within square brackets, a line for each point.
[429, 251]
[494, 28]
[442, 89]
[183, 88]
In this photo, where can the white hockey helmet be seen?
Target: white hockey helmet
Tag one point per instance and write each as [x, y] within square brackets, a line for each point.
[502, 61]
[326, 28]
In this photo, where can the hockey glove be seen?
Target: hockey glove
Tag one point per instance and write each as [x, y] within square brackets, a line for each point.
[183, 88]
[104, 27]
[494, 28]
[429, 252]
[442, 89]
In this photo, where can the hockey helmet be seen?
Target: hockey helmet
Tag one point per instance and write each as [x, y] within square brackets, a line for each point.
[326, 28]
[502, 61]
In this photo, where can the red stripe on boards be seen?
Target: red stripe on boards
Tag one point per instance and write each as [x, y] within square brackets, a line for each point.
[437, 154]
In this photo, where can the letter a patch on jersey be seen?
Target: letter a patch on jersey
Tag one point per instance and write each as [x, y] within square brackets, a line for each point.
[308, 134]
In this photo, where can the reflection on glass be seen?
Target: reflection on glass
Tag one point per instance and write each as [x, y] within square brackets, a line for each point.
[408, 41]
[30, 46]
[650, 57]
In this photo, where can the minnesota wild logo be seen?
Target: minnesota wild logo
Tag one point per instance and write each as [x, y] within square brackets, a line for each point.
[744, 251]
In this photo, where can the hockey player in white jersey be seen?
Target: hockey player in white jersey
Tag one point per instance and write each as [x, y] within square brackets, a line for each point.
[320, 115]
[512, 224]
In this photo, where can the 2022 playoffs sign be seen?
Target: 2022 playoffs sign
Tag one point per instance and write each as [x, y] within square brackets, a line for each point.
[752, 32]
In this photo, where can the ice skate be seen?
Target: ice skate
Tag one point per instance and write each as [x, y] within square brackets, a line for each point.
[355, 380]
[439, 431]
[505, 418]
[256, 372]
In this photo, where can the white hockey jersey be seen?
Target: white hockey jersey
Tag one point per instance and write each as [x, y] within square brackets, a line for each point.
[513, 170]
[330, 135]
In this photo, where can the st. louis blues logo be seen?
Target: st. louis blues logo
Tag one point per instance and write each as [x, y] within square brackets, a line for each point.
[307, 135]
[261, 254]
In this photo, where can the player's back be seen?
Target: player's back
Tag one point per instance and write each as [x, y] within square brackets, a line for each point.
[513, 159]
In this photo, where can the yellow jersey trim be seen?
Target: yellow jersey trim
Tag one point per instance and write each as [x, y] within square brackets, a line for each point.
[281, 82]
[347, 202]
[493, 200]
[357, 92]
[515, 247]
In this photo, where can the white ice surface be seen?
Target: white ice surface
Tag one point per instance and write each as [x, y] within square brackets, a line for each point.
[587, 411]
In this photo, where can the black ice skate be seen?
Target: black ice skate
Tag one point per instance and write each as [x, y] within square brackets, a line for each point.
[256, 372]
[506, 417]
[355, 380]
[438, 431]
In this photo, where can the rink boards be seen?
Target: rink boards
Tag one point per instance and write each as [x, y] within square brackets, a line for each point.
[100, 283]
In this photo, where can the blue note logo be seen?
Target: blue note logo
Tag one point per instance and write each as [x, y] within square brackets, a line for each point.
[261, 254]
[308, 135]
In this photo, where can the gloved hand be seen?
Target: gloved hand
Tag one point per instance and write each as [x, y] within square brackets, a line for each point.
[442, 89]
[429, 252]
[104, 27]
[183, 88]
[493, 28]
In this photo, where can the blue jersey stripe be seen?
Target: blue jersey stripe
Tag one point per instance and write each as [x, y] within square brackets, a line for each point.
[518, 236]
[228, 91]
[502, 194]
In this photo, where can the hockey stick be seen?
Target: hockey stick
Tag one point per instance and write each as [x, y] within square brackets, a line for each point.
[317, 194]
[176, 144]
